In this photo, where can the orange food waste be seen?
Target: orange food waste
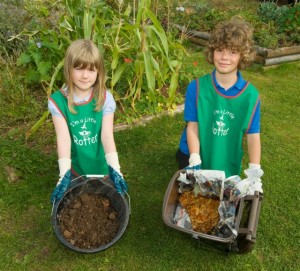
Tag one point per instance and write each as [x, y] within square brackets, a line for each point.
[203, 211]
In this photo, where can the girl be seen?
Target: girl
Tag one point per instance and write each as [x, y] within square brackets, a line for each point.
[83, 114]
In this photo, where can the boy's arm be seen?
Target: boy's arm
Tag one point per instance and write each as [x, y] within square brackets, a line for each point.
[193, 137]
[254, 148]
[193, 143]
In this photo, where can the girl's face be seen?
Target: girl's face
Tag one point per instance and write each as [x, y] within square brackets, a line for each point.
[226, 61]
[84, 79]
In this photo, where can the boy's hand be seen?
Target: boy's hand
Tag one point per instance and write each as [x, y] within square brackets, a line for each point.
[254, 170]
[194, 162]
[61, 187]
[254, 166]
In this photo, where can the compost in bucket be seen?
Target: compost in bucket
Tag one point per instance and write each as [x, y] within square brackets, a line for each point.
[91, 216]
[89, 221]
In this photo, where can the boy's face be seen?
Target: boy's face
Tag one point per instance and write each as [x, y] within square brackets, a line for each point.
[226, 61]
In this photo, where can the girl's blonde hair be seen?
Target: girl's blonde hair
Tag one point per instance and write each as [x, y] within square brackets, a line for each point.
[235, 35]
[85, 54]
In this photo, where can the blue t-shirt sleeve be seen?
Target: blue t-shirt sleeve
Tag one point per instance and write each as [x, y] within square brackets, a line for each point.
[190, 113]
[190, 106]
[255, 124]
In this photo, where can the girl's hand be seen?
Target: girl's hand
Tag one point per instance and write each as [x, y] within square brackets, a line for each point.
[118, 180]
[61, 187]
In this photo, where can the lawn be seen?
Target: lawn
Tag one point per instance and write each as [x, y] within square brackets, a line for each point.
[28, 173]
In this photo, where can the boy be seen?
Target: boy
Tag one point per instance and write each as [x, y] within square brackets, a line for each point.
[221, 107]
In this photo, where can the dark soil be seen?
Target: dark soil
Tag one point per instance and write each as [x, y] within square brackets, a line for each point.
[88, 221]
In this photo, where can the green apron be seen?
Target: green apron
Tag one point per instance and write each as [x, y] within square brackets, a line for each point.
[87, 153]
[223, 121]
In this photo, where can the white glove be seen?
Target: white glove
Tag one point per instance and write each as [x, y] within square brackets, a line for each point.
[194, 159]
[64, 180]
[112, 160]
[64, 165]
[194, 162]
[254, 166]
[254, 173]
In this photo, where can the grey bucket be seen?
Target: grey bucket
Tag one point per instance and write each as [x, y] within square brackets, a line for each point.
[95, 186]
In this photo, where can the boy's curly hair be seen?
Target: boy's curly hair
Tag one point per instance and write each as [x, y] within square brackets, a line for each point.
[235, 35]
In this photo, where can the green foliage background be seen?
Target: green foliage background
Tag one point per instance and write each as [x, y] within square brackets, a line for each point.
[143, 62]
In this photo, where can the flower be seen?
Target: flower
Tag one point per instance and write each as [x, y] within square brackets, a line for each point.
[180, 8]
[128, 60]
[195, 63]
[39, 44]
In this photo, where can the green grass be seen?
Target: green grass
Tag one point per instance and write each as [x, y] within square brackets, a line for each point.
[147, 156]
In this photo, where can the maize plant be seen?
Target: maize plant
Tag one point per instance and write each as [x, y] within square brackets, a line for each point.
[141, 59]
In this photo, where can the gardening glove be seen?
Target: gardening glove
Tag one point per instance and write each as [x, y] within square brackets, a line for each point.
[254, 169]
[115, 173]
[194, 162]
[118, 180]
[64, 180]
[253, 173]
[254, 166]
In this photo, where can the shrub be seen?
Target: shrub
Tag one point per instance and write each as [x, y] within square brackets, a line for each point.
[12, 19]
[269, 11]
[285, 20]
[274, 25]
[142, 60]
[265, 35]
[289, 23]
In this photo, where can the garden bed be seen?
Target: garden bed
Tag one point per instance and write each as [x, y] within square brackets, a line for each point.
[276, 25]
[264, 56]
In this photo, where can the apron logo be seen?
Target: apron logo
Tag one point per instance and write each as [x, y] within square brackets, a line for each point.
[85, 138]
[219, 127]
[84, 133]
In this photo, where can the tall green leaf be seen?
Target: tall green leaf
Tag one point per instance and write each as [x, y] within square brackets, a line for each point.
[159, 31]
[87, 23]
[149, 71]
[118, 73]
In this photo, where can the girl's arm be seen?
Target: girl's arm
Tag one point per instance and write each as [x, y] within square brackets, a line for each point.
[63, 144]
[107, 134]
[111, 155]
[254, 148]
[108, 142]
[63, 137]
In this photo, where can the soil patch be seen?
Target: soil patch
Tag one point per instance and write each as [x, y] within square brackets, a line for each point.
[88, 221]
